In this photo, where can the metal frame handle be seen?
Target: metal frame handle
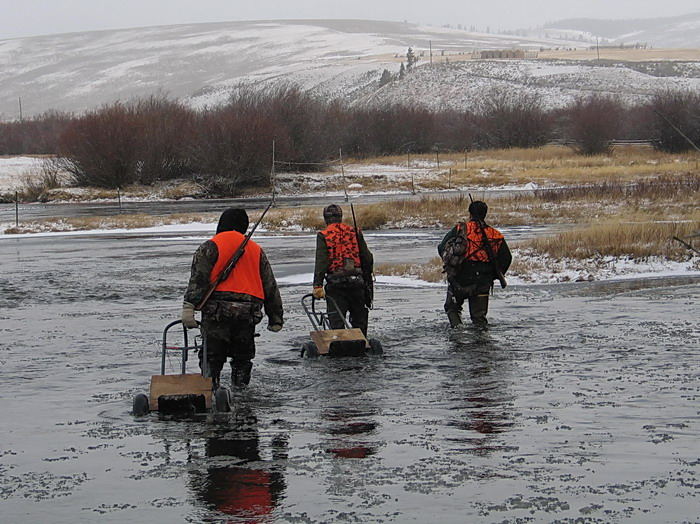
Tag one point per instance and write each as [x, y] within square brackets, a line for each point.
[184, 349]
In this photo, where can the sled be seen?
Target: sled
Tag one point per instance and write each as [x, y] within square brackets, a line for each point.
[347, 342]
[183, 393]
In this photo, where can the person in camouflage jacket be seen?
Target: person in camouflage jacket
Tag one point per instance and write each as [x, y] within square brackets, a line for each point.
[340, 253]
[229, 317]
[476, 273]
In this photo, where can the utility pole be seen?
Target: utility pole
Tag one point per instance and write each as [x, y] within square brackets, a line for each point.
[20, 108]
[342, 174]
[597, 48]
[272, 172]
[430, 43]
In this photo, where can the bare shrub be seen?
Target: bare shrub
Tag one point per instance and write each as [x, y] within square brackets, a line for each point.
[34, 136]
[233, 147]
[35, 186]
[511, 119]
[166, 129]
[672, 115]
[592, 123]
[101, 148]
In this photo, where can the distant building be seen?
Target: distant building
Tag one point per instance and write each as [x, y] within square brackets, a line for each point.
[504, 54]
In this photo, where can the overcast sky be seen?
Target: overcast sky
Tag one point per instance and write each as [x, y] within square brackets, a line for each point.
[37, 17]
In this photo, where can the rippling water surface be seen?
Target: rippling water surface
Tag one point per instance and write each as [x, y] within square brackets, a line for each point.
[580, 404]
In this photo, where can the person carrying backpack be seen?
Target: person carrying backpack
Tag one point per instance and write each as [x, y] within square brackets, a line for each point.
[345, 263]
[474, 254]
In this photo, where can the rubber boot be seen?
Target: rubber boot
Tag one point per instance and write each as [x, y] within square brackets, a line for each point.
[455, 318]
[240, 373]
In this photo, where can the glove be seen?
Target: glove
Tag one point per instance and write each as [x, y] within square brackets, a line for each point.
[187, 316]
[319, 293]
[274, 327]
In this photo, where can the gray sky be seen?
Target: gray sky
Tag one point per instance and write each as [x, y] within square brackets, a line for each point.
[36, 17]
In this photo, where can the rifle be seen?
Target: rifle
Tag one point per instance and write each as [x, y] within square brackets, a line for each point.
[367, 275]
[489, 250]
[233, 261]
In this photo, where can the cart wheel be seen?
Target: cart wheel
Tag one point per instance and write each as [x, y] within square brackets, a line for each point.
[309, 350]
[375, 347]
[222, 400]
[140, 407]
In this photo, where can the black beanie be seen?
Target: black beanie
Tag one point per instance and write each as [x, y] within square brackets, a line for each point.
[332, 214]
[233, 219]
[478, 209]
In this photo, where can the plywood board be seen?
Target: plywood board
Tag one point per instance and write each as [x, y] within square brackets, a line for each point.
[188, 384]
[323, 339]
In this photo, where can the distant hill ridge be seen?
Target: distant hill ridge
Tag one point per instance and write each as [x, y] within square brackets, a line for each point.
[676, 31]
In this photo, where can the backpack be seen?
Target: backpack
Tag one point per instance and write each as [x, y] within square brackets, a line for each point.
[453, 255]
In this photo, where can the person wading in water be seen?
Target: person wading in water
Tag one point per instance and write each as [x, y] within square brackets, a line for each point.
[474, 255]
[235, 307]
[344, 261]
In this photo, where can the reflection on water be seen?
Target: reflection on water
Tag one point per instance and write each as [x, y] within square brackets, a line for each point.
[481, 383]
[250, 488]
[349, 427]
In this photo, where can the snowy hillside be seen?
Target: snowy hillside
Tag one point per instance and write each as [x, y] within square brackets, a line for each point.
[76, 71]
[459, 85]
[203, 63]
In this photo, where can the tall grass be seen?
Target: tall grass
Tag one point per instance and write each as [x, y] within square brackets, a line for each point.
[617, 239]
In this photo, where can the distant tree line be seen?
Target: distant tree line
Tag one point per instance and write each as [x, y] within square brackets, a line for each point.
[229, 147]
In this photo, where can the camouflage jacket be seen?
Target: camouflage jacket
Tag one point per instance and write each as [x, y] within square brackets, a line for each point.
[204, 261]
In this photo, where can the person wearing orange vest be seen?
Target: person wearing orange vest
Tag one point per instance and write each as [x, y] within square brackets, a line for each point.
[235, 307]
[340, 253]
[476, 273]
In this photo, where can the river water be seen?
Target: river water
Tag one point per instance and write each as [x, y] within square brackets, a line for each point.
[579, 404]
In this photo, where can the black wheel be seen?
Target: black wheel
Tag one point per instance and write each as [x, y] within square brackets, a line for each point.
[140, 407]
[222, 400]
[309, 350]
[375, 347]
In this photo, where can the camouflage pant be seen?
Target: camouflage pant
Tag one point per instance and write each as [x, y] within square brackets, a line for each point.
[348, 300]
[478, 305]
[229, 338]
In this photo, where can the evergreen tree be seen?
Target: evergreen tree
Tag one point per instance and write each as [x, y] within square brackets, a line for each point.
[402, 71]
[386, 78]
[411, 59]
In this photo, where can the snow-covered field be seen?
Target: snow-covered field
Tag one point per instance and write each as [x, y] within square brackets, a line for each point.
[13, 171]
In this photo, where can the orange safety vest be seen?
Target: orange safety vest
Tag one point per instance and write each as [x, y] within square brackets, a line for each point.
[245, 277]
[475, 241]
[341, 241]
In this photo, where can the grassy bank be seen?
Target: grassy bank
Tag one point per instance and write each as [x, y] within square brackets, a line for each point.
[583, 251]
[547, 167]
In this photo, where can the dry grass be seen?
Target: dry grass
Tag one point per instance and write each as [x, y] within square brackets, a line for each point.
[430, 271]
[617, 239]
[546, 166]
[580, 250]
[658, 198]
